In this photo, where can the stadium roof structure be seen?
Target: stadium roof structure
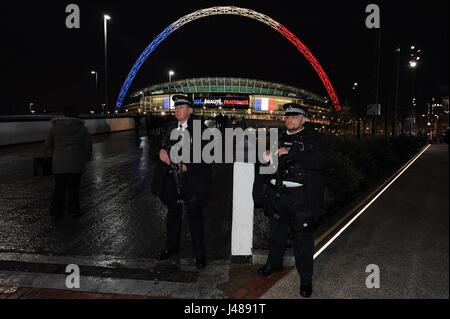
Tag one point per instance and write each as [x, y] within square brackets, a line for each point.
[229, 85]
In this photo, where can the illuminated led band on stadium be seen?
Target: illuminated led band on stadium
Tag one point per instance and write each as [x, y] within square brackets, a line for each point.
[230, 11]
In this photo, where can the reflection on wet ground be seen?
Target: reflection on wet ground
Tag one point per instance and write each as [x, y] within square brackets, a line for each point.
[122, 218]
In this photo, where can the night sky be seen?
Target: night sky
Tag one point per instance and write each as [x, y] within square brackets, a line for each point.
[50, 65]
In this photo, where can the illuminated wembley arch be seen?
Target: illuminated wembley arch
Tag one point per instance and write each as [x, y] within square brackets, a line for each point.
[230, 11]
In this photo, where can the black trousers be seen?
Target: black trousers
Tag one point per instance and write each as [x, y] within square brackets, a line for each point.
[290, 209]
[67, 189]
[174, 224]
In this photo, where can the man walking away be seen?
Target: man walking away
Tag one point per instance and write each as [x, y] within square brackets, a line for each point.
[70, 145]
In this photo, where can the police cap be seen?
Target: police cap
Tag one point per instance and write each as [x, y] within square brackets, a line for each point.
[293, 109]
[182, 100]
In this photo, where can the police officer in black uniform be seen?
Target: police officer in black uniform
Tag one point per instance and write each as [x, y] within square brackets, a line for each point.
[295, 196]
[183, 187]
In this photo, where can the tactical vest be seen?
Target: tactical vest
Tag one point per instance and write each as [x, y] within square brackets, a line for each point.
[290, 169]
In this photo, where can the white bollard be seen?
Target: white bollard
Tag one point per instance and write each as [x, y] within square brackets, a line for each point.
[242, 224]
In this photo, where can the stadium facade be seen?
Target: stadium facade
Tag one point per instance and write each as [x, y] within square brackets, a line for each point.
[231, 96]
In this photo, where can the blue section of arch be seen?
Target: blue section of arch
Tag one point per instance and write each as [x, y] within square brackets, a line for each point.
[137, 65]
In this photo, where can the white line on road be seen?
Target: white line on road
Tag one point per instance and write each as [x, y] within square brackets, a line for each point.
[367, 206]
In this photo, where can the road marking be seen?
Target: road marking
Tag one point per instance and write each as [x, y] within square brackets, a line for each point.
[367, 206]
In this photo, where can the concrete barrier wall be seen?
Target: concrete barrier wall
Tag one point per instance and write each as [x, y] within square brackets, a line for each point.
[98, 126]
[12, 133]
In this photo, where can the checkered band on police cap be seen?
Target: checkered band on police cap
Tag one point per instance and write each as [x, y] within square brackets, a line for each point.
[293, 109]
[181, 100]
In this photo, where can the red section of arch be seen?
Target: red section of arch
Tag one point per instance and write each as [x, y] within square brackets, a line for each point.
[314, 63]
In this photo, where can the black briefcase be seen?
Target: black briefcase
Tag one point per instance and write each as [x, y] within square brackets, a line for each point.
[42, 166]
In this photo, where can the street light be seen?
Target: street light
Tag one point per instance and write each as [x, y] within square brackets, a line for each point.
[414, 57]
[357, 101]
[413, 64]
[171, 73]
[397, 80]
[96, 84]
[143, 101]
[106, 18]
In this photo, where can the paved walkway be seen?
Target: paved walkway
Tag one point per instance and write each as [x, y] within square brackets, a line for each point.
[405, 232]
[116, 242]
[122, 218]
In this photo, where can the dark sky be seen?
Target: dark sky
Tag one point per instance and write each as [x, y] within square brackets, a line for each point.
[50, 65]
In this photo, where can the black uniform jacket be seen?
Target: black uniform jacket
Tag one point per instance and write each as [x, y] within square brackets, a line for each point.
[309, 153]
[196, 181]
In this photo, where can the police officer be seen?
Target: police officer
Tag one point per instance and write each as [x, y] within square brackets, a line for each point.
[184, 186]
[295, 196]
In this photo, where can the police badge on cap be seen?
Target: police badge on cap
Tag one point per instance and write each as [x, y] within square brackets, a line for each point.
[181, 100]
[293, 109]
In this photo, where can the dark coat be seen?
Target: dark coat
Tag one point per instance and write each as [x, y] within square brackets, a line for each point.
[70, 144]
[312, 159]
[196, 181]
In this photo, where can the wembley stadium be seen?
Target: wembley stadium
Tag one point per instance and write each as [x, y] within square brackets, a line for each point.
[249, 98]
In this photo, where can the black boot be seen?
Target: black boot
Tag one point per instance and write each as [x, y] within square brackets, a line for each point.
[266, 270]
[201, 262]
[165, 254]
[305, 291]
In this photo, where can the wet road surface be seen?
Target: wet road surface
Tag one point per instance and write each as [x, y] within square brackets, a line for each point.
[122, 218]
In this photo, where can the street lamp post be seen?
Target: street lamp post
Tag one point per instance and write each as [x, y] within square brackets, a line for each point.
[413, 64]
[358, 115]
[143, 101]
[171, 73]
[397, 79]
[106, 18]
[377, 87]
[96, 85]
